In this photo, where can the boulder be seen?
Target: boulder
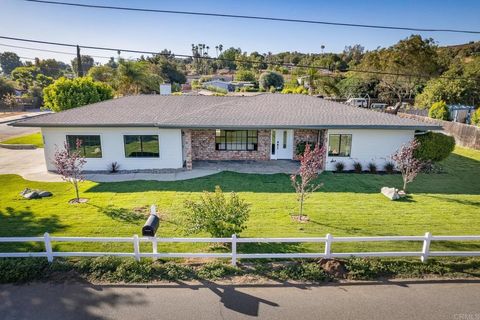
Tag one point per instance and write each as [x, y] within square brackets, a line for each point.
[390, 193]
[31, 195]
[25, 191]
[43, 194]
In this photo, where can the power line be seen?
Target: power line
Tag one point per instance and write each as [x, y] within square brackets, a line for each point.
[46, 50]
[229, 60]
[223, 15]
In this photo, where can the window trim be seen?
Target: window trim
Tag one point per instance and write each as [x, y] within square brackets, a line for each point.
[339, 144]
[248, 137]
[84, 134]
[140, 134]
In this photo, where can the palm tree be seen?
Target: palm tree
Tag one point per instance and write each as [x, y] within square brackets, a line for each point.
[132, 77]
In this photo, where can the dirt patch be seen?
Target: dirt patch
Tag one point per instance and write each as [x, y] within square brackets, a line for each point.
[300, 218]
[334, 268]
[80, 200]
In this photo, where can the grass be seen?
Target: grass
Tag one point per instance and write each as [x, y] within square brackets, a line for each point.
[34, 138]
[446, 203]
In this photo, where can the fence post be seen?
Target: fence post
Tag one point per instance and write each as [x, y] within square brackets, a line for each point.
[136, 247]
[48, 246]
[154, 247]
[328, 246]
[234, 250]
[426, 247]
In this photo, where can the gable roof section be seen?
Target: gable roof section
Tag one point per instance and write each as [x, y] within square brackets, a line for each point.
[260, 111]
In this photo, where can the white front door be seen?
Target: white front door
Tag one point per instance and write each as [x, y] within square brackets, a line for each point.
[282, 144]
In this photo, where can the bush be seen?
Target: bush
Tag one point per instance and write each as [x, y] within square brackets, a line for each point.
[357, 166]
[476, 117]
[66, 94]
[300, 148]
[271, 79]
[217, 89]
[339, 166]
[216, 270]
[372, 167]
[389, 167]
[439, 110]
[434, 146]
[18, 270]
[217, 215]
[245, 75]
[307, 271]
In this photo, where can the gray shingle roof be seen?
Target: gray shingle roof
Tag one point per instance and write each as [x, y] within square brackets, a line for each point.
[260, 111]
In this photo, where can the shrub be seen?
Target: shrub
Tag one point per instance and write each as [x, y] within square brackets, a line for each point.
[307, 271]
[372, 167]
[434, 146]
[389, 167]
[217, 215]
[245, 75]
[20, 270]
[216, 270]
[476, 117]
[271, 79]
[272, 89]
[339, 166]
[439, 110]
[114, 166]
[216, 89]
[357, 166]
[300, 148]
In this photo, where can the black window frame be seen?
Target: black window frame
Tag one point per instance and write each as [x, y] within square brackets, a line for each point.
[72, 144]
[251, 139]
[340, 144]
[139, 153]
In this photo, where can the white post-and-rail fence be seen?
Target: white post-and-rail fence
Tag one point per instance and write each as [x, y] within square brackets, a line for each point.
[234, 240]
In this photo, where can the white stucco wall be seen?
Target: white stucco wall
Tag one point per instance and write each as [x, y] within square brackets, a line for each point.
[370, 146]
[170, 141]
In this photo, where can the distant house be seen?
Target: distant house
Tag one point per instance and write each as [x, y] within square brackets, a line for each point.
[225, 85]
[158, 132]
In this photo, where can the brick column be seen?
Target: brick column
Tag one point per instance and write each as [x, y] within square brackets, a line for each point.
[187, 147]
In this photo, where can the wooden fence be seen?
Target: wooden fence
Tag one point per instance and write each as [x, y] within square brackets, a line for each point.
[233, 255]
[465, 135]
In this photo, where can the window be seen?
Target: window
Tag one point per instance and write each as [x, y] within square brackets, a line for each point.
[90, 148]
[231, 140]
[141, 146]
[339, 145]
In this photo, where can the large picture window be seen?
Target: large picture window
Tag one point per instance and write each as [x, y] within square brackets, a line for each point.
[339, 145]
[141, 146]
[91, 146]
[246, 140]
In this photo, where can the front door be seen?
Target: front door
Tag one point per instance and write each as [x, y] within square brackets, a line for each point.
[282, 144]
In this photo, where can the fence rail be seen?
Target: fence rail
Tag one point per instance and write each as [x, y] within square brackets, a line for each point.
[233, 255]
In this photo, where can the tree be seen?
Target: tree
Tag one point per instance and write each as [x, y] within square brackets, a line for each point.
[229, 56]
[271, 79]
[104, 73]
[310, 166]
[65, 93]
[51, 67]
[217, 215]
[25, 76]
[402, 68]
[439, 110]
[69, 163]
[6, 86]
[476, 117]
[9, 61]
[245, 75]
[87, 63]
[10, 101]
[407, 163]
[135, 77]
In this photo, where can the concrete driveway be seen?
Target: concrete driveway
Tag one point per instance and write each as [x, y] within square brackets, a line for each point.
[7, 132]
[30, 164]
[434, 299]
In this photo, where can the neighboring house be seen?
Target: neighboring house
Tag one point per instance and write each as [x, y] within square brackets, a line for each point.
[225, 85]
[159, 132]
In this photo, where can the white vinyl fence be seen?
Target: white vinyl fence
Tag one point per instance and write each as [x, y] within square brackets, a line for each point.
[233, 255]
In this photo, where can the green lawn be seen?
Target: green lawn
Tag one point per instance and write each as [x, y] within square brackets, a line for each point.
[349, 204]
[35, 139]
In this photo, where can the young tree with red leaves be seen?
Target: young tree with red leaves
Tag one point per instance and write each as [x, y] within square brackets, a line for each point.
[69, 164]
[406, 162]
[310, 167]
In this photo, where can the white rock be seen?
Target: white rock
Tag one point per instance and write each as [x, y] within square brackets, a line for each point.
[390, 193]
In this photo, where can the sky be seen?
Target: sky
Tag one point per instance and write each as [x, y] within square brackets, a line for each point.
[156, 31]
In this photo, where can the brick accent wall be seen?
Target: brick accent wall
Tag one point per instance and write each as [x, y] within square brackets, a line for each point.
[187, 148]
[203, 147]
[301, 135]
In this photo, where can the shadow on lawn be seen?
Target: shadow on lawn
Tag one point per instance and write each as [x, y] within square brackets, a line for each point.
[459, 178]
[23, 223]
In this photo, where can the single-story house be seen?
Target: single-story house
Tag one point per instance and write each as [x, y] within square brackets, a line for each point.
[220, 84]
[160, 132]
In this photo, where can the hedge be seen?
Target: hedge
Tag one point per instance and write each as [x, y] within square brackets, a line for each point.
[434, 146]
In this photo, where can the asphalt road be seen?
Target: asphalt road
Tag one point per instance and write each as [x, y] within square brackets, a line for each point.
[457, 300]
[7, 132]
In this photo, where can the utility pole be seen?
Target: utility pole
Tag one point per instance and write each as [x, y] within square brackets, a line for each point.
[79, 63]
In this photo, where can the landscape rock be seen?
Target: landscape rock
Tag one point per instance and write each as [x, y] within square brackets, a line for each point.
[31, 195]
[25, 191]
[44, 194]
[390, 193]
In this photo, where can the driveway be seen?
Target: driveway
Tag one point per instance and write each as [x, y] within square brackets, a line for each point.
[7, 132]
[30, 164]
[455, 300]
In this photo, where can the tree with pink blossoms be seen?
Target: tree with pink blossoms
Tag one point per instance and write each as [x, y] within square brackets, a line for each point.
[311, 162]
[406, 162]
[69, 164]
